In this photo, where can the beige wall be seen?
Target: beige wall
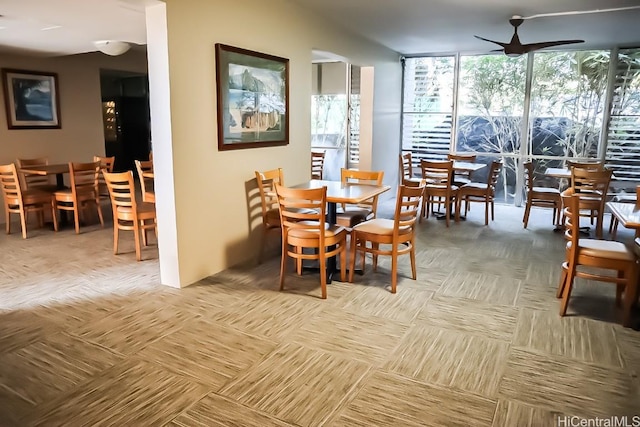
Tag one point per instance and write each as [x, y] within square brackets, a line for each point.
[213, 224]
[81, 136]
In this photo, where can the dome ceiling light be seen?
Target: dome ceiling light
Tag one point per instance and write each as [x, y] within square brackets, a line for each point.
[112, 47]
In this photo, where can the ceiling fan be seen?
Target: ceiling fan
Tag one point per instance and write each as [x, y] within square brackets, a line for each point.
[516, 48]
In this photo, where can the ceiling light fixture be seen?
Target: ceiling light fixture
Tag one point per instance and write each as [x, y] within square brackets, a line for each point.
[112, 47]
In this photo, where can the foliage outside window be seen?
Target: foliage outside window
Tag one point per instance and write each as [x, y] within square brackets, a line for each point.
[566, 110]
[328, 121]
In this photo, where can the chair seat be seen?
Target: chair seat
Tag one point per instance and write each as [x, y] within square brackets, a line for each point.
[480, 186]
[66, 195]
[460, 181]
[604, 249]
[145, 211]
[330, 232]
[545, 191]
[49, 188]
[353, 216]
[380, 226]
[31, 197]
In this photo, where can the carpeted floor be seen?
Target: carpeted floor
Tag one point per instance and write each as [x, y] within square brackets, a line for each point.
[89, 339]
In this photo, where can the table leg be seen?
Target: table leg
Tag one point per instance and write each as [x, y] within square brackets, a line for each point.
[332, 218]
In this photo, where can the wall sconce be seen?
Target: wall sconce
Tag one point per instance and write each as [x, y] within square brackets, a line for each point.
[112, 47]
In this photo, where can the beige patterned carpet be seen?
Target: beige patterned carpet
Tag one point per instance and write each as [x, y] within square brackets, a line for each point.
[91, 339]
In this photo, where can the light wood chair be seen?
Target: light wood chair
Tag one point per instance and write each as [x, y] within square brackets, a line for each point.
[540, 196]
[399, 232]
[461, 178]
[22, 201]
[106, 164]
[439, 188]
[266, 181]
[350, 215]
[595, 254]
[317, 164]
[128, 214]
[585, 165]
[83, 192]
[146, 184]
[302, 215]
[33, 181]
[592, 186]
[406, 169]
[481, 193]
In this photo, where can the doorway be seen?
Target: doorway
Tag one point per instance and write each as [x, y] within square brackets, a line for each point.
[126, 117]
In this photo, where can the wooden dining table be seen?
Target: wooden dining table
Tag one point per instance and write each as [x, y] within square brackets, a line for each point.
[54, 169]
[339, 192]
[628, 214]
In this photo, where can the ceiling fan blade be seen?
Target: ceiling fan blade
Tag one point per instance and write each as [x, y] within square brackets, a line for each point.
[491, 41]
[535, 46]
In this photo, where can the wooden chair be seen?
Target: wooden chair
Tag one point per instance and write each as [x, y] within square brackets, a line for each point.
[398, 232]
[350, 215]
[439, 188]
[269, 200]
[481, 193]
[585, 165]
[461, 178]
[592, 186]
[406, 169]
[106, 164]
[595, 254]
[83, 192]
[22, 201]
[302, 215]
[540, 196]
[33, 181]
[317, 164]
[146, 184]
[128, 214]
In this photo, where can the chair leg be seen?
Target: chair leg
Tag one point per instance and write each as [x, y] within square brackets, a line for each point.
[630, 293]
[7, 217]
[566, 292]
[343, 261]
[115, 236]
[375, 247]
[54, 214]
[563, 281]
[394, 270]
[352, 254]
[23, 223]
[527, 211]
[100, 212]
[412, 255]
[283, 261]
[323, 274]
[136, 232]
[76, 217]
[486, 213]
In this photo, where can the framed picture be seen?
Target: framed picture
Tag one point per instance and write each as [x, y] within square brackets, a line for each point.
[253, 98]
[31, 99]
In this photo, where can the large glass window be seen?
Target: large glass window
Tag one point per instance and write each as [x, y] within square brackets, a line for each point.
[490, 107]
[428, 107]
[566, 110]
[623, 140]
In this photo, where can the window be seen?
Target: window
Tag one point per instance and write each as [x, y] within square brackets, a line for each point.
[623, 139]
[484, 98]
[428, 107]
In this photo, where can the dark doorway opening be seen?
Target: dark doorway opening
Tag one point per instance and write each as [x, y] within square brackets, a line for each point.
[126, 117]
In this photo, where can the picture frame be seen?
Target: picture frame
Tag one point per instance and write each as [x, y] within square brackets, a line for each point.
[252, 98]
[31, 99]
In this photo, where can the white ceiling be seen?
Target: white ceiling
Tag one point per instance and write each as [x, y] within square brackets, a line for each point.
[63, 27]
